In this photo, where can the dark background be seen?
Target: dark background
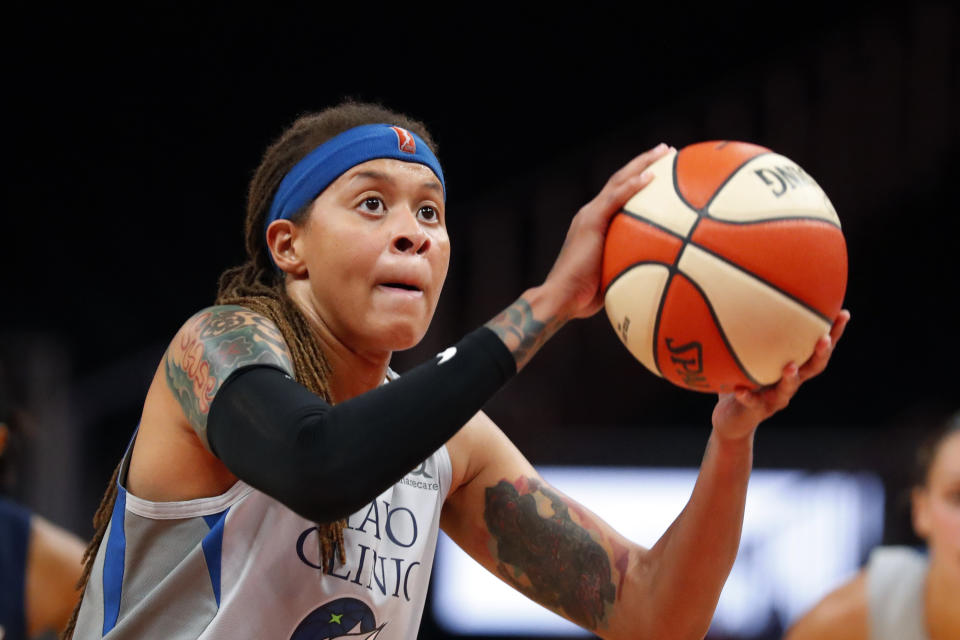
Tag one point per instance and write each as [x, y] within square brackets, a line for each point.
[131, 135]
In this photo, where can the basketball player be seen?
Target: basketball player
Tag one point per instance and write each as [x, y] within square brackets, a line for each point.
[279, 486]
[40, 563]
[904, 594]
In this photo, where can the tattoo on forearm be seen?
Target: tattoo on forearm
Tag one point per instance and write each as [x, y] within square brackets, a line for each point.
[520, 331]
[544, 548]
[214, 343]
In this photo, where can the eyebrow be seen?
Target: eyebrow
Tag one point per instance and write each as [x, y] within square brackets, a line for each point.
[377, 175]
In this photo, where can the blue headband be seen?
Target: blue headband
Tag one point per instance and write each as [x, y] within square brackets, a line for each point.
[309, 177]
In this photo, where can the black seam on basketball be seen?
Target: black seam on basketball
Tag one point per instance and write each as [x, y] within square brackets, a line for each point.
[716, 322]
[676, 187]
[676, 258]
[656, 322]
[716, 192]
[776, 219]
[630, 267]
[696, 224]
[639, 217]
[683, 201]
[741, 269]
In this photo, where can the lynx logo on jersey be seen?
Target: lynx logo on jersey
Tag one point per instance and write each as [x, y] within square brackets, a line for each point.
[339, 619]
[405, 141]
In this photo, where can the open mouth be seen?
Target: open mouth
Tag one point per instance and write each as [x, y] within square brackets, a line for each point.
[400, 285]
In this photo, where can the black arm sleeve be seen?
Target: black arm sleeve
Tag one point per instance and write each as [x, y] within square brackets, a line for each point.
[325, 462]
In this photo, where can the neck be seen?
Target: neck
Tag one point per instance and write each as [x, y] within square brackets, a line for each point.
[352, 372]
[941, 610]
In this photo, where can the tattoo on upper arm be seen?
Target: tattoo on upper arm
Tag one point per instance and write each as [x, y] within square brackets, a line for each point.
[521, 331]
[553, 552]
[210, 346]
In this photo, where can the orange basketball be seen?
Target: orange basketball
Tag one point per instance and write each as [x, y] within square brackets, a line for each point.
[727, 266]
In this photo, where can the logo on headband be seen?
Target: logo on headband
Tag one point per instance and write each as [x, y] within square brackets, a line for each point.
[404, 140]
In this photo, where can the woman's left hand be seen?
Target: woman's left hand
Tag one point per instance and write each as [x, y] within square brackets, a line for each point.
[738, 414]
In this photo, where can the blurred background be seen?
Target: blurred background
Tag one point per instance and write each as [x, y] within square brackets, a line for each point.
[131, 134]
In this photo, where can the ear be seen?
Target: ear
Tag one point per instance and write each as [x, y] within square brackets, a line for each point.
[283, 243]
[920, 510]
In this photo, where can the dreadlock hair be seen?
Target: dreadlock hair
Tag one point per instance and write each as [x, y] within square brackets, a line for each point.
[258, 285]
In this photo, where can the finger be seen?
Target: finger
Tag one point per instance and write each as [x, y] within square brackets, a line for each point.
[622, 186]
[609, 202]
[774, 397]
[839, 325]
[787, 387]
[818, 361]
[748, 398]
[617, 196]
[824, 348]
[638, 165]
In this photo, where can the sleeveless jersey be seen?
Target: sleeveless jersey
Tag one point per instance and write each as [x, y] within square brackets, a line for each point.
[14, 541]
[895, 581]
[242, 565]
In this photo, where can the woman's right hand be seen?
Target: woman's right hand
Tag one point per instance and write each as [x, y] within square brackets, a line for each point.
[572, 288]
[574, 280]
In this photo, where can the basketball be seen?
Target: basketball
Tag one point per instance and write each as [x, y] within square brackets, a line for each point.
[728, 265]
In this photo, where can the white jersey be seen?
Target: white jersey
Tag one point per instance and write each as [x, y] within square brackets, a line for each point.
[895, 582]
[242, 565]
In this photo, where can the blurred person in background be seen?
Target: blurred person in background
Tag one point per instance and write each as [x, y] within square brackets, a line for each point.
[904, 593]
[40, 563]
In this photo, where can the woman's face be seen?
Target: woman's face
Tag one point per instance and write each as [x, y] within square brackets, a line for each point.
[376, 250]
[937, 506]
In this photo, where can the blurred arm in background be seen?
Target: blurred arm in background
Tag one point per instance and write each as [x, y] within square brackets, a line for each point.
[41, 562]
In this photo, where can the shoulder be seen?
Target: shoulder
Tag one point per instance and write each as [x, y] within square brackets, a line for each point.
[843, 613]
[54, 565]
[227, 337]
[211, 345]
[171, 457]
[55, 547]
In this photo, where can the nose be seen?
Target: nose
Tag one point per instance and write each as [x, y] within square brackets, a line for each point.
[409, 236]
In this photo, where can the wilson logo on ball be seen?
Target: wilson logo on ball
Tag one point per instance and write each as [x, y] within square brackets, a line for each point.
[730, 263]
[779, 179]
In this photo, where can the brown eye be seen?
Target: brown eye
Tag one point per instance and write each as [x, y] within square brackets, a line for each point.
[429, 214]
[372, 205]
